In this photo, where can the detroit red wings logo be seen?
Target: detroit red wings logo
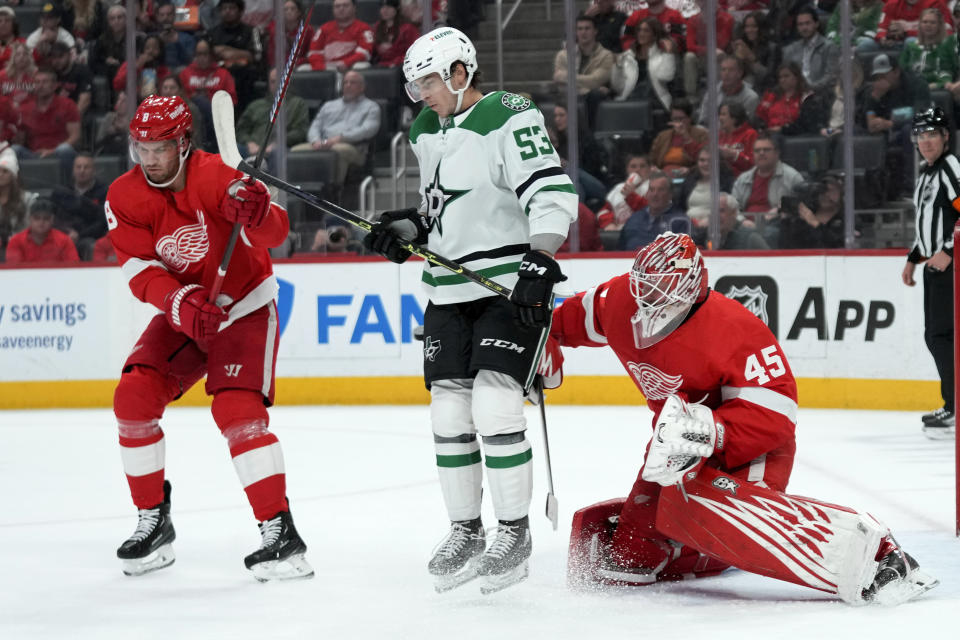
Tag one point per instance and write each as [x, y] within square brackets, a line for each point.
[655, 384]
[185, 245]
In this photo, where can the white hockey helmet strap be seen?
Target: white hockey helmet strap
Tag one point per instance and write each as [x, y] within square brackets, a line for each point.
[438, 52]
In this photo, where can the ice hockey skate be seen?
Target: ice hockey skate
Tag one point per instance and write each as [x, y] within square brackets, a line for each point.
[281, 555]
[506, 562]
[454, 563]
[940, 424]
[898, 580]
[150, 547]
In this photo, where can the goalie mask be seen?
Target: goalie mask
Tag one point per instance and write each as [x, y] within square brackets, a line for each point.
[161, 119]
[436, 52]
[667, 278]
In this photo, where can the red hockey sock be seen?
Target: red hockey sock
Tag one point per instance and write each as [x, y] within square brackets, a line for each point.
[636, 542]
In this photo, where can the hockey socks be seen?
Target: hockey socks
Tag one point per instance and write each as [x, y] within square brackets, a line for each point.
[461, 477]
[510, 473]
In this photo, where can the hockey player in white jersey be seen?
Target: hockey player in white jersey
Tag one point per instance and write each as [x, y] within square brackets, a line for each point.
[496, 200]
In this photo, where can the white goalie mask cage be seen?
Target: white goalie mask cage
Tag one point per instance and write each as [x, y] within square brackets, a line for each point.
[436, 52]
[668, 277]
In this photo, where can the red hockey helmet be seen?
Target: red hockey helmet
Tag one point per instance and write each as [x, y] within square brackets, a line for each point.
[667, 278]
[161, 118]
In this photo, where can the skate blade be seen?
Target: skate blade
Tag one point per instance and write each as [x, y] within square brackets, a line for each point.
[492, 584]
[162, 557]
[294, 567]
[467, 573]
[900, 591]
[939, 433]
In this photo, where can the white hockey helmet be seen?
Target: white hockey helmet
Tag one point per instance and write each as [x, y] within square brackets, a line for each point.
[436, 52]
[667, 278]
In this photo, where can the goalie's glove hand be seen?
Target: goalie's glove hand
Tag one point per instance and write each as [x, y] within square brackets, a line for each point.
[551, 365]
[394, 229]
[684, 436]
[188, 311]
[533, 294]
[247, 202]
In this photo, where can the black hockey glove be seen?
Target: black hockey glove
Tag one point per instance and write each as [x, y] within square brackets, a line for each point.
[533, 294]
[394, 229]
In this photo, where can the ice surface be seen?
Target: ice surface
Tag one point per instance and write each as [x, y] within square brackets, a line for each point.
[365, 497]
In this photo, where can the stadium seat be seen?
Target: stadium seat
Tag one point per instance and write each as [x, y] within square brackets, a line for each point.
[322, 12]
[944, 99]
[100, 100]
[38, 173]
[315, 87]
[109, 168]
[28, 18]
[368, 11]
[809, 155]
[622, 117]
[869, 152]
[313, 171]
[382, 83]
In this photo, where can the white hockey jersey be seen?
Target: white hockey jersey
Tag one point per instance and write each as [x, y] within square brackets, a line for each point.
[489, 179]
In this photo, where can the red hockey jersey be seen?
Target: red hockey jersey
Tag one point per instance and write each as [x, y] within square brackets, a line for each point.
[166, 239]
[349, 46]
[722, 356]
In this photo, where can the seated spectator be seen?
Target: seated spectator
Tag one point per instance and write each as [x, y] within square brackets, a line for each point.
[675, 150]
[255, 119]
[901, 19]
[933, 55]
[178, 45]
[732, 89]
[150, 69]
[673, 23]
[609, 20]
[822, 112]
[780, 107]
[754, 49]
[50, 123]
[171, 86]
[292, 15]
[734, 234]
[89, 21]
[695, 192]
[204, 77]
[80, 207]
[592, 170]
[656, 64]
[587, 230]
[695, 59]
[815, 220]
[74, 77]
[237, 46]
[392, 35]
[890, 103]
[9, 121]
[346, 125]
[817, 57]
[865, 15]
[594, 62]
[736, 138]
[9, 34]
[627, 196]
[660, 215]
[342, 43]
[17, 80]
[14, 200]
[103, 250]
[760, 189]
[49, 31]
[40, 242]
[113, 133]
[110, 49]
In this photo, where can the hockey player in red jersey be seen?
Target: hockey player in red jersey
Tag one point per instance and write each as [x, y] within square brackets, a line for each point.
[711, 491]
[169, 220]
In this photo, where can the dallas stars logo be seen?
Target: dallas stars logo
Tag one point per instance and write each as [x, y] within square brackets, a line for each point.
[437, 200]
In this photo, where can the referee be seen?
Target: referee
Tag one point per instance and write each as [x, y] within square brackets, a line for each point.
[937, 199]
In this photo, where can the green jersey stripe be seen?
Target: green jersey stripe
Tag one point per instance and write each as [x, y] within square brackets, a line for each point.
[462, 460]
[563, 188]
[505, 462]
[490, 272]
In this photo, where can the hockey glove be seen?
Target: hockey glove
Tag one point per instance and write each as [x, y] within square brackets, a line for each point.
[533, 294]
[551, 365]
[394, 229]
[188, 311]
[247, 202]
[684, 434]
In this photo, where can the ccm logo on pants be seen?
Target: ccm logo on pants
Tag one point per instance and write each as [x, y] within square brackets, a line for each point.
[503, 344]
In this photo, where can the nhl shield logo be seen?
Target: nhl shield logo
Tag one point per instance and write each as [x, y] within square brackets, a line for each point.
[758, 294]
[753, 298]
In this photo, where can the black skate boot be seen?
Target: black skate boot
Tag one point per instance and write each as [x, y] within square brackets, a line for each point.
[941, 424]
[454, 561]
[150, 548]
[898, 579]
[281, 552]
[505, 562]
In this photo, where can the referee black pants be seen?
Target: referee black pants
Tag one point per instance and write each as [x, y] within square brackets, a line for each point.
[938, 326]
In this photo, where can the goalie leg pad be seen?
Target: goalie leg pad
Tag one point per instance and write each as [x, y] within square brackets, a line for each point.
[457, 448]
[800, 540]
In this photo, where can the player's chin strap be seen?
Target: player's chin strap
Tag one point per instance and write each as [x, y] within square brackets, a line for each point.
[460, 93]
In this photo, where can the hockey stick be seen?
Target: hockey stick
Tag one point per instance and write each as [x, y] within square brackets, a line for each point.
[222, 107]
[552, 505]
[274, 112]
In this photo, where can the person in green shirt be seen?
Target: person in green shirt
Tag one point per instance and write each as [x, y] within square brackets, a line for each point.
[933, 56]
[255, 119]
[865, 15]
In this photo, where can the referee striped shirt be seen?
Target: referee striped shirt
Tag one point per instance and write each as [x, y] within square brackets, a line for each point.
[937, 199]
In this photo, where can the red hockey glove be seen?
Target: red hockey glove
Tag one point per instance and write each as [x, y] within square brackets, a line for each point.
[551, 365]
[247, 202]
[683, 436]
[188, 311]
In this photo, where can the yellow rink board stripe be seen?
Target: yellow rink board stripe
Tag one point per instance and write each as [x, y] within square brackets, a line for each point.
[900, 395]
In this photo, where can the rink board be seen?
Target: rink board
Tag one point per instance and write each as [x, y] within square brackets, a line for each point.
[853, 333]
